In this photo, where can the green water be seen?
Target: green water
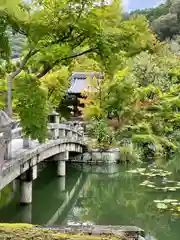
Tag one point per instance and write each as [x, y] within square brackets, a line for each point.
[105, 199]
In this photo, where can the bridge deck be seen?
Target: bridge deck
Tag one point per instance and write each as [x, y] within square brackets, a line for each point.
[16, 149]
[17, 146]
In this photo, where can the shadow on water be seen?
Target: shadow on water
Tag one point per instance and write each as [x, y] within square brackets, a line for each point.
[52, 197]
[104, 199]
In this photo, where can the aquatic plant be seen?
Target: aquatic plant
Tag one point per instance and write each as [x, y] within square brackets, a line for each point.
[172, 205]
[157, 180]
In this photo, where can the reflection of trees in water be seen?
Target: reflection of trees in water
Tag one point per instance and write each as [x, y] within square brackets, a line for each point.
[6, 195]
[122, 201]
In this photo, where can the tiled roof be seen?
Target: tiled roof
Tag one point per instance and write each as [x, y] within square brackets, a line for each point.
[79, 83]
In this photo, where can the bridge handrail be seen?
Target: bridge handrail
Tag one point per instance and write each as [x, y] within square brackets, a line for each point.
[52, 128]
[16, 133]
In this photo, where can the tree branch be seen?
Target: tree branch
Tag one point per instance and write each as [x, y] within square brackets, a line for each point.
[49, 67]
[23, 63]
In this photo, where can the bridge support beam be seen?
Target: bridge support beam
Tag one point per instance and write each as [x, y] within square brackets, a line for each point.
[62, 184]
[61, 163]
[26, 214]
[61, 168]
[26, 192]
[26, 182]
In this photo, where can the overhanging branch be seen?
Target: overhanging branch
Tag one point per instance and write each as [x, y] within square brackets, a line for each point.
[49, 67]
[23, 63]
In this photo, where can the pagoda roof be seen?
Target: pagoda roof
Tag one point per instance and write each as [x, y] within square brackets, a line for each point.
[78, 82]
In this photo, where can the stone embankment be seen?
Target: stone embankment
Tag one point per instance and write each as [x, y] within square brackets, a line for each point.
[75, 232]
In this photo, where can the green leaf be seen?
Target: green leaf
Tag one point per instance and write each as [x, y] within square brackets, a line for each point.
[161, 206]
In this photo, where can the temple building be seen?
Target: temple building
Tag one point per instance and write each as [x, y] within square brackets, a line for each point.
[78, 84]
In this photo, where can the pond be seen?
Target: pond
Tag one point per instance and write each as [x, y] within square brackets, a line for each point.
[104, 199]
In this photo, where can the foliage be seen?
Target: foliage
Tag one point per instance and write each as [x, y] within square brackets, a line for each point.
[74, 32]
[130, 154]
[31, 105]
[84, 64]
[153, 13]
[174, 45]
[56, 83]
[168, 204]
[144, 100]
[157, 180]
[67, 33]
[164, 19]
[99, 130]
[12, 16]
[135, 89]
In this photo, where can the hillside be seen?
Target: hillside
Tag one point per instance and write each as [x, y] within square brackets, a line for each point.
[17, 45]
[17, 42]
[164, 19]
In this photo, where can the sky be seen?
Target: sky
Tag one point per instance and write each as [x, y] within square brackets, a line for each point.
[131, 5]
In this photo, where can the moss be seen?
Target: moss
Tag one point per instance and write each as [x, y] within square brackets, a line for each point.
[16, 225]
[28, 231]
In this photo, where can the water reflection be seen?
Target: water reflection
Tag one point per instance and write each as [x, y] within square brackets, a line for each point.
[51, 198]
[103, 197]
[122, 201]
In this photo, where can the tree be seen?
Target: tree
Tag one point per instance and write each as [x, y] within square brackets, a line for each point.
[31, 104]
[73, 30]
[153, 13]
[174, 45]
[69, 36]
[164, 19]
[84, 64]
[56, 84]
[144, 100]
[10, 12]
[166, 26]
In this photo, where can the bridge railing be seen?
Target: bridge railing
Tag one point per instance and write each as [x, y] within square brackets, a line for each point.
[55, 131]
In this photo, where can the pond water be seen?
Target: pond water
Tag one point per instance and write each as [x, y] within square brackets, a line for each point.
[104, 199]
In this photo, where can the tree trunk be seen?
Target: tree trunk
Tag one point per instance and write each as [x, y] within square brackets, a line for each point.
[9, 96]
[12, 76]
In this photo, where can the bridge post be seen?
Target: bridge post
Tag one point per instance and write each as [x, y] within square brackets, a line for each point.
[26, 192]
[75, 135]
[61, 163]
[69, 134]
[26, 142]
[26, 180]
[54, 117]
[62, 133]
[55, 134]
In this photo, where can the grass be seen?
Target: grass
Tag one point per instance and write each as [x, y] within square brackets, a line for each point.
[28, 231]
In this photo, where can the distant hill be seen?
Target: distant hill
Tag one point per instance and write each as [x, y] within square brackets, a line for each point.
[17, 43]
[164, 19]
